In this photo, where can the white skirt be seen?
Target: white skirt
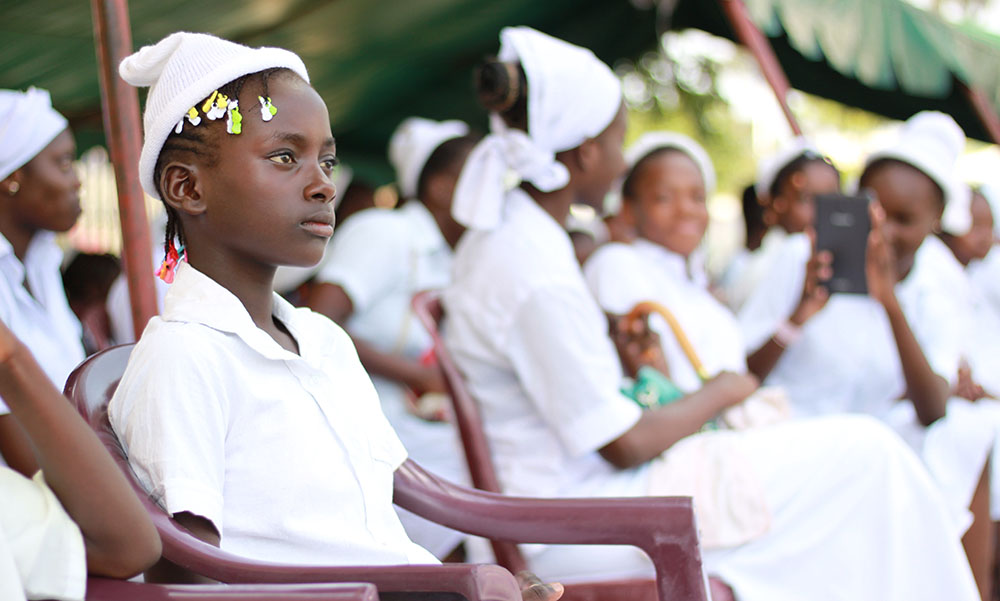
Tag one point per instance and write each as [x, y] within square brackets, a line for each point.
[853, 516]
[955, 449]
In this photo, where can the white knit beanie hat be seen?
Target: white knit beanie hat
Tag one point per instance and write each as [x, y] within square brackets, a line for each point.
[181, 71]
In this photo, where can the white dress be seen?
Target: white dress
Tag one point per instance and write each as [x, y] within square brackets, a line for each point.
[382, 258]
[846, 361]
[41, 319]
[532, 344]
[747, 269]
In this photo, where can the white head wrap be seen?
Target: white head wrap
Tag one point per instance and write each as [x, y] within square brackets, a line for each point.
[182, 70]
[657, 140]
[28, 123]
[931, 141]
[413, 143]
[769, 168]
[572, 96]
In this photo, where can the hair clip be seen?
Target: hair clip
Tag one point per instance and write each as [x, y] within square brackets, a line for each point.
[215, 107]
[267, 110]
[192, 117]
[234, 124]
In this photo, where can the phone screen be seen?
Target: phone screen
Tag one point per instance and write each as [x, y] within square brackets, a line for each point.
[842, 227]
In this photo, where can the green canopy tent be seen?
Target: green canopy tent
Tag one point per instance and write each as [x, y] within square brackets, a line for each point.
[884, 56]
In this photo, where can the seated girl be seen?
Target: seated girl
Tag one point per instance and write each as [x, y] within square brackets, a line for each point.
[375, 264]
[780, 509]
[787, 185]
[251, 422]
[41, 196]
[906, 338]
[53, 529]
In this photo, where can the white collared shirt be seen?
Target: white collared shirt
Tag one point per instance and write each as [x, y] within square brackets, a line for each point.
[289, 456]
[846, 359]
[622, 275]
[41, 319]
[533, 346]
[744, 275]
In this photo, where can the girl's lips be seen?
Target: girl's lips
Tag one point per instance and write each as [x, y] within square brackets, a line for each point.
[318, 228]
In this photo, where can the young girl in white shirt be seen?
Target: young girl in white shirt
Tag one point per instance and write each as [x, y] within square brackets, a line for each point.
[251, 422]
[780, 510]
[40, 194]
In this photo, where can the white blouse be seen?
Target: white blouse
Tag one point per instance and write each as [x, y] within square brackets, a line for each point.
[41, 318]
[533, 346]
[622, 275]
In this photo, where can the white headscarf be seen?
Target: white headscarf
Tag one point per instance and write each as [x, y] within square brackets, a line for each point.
[572, 97]
[413, 143]
[661, 140]
[182, 70]
[28, 123]
[931, 141]
[769, 167]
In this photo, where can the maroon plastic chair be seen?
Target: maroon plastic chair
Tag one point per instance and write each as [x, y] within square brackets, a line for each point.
[662, 527]
[104, 589]
[428, 309]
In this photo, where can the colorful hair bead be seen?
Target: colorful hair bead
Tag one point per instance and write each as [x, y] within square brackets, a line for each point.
[192, 116]
[215, 107]
[234, 124]
[267, 110]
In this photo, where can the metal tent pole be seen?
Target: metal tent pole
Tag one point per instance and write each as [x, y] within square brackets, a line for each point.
[120, 108]
[984, 110]
[751, 37]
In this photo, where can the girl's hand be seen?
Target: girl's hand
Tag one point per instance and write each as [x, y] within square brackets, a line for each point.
[966, 387]
[733, 386]
[819, 270]
[533, 589]
[880, 263]
[430, 379]
[637, 344]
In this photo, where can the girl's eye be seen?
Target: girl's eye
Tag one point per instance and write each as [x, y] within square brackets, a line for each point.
[330, 164]
[282, 159]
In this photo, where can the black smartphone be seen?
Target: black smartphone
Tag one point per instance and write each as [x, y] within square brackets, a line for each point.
[842, 227]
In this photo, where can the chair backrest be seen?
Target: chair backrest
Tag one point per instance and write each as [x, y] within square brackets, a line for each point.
[428, 309]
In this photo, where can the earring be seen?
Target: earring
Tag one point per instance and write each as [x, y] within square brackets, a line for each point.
[13, 188]
[267, 110]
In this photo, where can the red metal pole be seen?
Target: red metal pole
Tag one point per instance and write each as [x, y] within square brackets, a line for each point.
[120, 106]
[754, 40]
[984, 110]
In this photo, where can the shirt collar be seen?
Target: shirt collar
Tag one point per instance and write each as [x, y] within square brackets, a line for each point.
[196, 298]
[677, 267]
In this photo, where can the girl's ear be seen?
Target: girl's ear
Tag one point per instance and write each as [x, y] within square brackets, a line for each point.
[181, 188]
[588, 154]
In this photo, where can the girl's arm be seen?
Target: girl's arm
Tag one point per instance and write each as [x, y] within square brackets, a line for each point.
[15, 447]
[659, 429]
[332, 300]
[814, 297]
[927, 390]
[119, 537]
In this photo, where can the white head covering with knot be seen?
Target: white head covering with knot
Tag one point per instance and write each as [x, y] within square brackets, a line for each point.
[28, 124]
[931, 141]
[413, 143]
[182, 70]
[572, 97]
[662, 140]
